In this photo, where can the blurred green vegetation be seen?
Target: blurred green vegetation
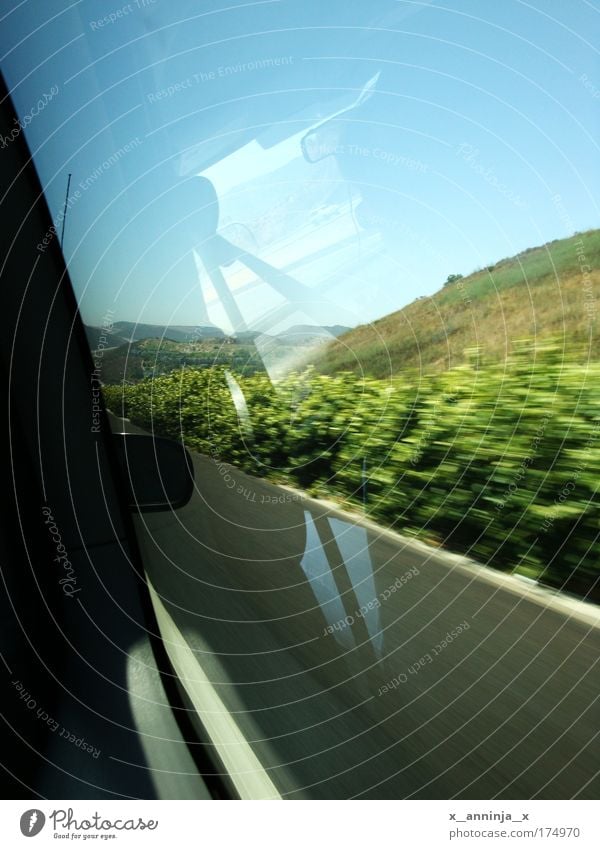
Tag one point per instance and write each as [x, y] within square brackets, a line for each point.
[497, 460]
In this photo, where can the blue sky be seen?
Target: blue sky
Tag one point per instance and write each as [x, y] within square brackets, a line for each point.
[482, 114]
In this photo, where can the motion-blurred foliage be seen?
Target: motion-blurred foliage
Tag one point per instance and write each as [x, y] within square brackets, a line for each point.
[498, 460]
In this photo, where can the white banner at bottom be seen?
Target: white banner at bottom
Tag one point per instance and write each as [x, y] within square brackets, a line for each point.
[261, 825]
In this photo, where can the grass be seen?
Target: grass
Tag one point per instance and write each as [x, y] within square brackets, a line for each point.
[538, 294]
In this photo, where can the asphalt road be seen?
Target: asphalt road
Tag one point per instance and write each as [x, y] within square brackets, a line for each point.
[361, 664]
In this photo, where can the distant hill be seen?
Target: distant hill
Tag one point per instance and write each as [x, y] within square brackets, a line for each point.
[200, 347]
[111, 340]
[301, 334]
[152, 357]
[132, 332]
[316, 330]
[128, 331]
[298, 334]
[539, 293]
[124, 332]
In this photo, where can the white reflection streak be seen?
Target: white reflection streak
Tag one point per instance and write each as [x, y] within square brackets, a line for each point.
[239, 402]
[354, 547]
[316, 567]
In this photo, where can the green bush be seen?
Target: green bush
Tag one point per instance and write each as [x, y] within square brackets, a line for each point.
[501, 461]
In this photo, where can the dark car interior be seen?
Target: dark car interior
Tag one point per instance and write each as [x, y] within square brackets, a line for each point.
[70, 489]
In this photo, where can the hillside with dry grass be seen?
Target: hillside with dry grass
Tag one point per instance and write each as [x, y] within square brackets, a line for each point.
[544, 292]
